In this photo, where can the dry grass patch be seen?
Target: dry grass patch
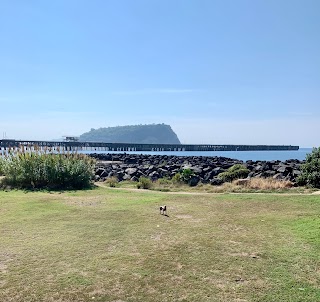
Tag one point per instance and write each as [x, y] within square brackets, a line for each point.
[264, 183]
[237, 186]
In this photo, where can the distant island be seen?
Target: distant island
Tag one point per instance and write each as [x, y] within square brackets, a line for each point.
[137, 134]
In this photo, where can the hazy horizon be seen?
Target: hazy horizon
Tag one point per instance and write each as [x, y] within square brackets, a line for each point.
[218, 72]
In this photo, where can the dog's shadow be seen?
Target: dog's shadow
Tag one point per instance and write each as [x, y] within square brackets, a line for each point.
[166, 215]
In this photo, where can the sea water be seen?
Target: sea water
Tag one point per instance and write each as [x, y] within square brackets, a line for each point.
[240, 155]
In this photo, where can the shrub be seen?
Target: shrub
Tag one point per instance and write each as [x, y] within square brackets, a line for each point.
[164, 181]
[112, 181]
[185, 176]
[177, 178]
[42, 169]
[235, 172]
[310, 170]
[144, 183]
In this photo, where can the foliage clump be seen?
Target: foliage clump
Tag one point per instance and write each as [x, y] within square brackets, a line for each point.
[235, 172]
[310, 170]
[184, 176]
[176, 179]
[112, 182]
[43, 169]
[144, 183]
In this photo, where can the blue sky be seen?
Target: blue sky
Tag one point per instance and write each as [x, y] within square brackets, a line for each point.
[228, 71]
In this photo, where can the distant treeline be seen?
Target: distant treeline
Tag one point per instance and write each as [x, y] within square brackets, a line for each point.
[139, 134]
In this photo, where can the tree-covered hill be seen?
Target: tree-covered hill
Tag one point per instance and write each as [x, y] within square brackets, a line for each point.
[140, 134]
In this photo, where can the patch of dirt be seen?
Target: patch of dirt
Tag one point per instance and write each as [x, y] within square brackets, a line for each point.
[243, 254]
[3, 268]
[156, 237]
[5, 258]
[232, 228]
[316, 193]
[184, 216]
[84, 204]
[88, 202]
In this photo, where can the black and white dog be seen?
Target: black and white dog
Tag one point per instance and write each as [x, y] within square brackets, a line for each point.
[163, 210]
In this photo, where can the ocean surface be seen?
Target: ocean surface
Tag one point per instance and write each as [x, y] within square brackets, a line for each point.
[240, 155]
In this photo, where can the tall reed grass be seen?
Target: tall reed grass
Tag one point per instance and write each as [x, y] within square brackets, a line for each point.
[270, 183]
[45, 169]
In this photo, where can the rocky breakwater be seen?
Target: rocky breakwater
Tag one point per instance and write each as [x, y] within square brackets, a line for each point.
[205, 169]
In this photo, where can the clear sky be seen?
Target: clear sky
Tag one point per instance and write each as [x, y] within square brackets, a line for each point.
[227, 71]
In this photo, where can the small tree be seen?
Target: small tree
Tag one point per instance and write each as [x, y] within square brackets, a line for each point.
[310, 171]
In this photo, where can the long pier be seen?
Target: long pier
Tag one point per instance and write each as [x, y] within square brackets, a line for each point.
[6, 144]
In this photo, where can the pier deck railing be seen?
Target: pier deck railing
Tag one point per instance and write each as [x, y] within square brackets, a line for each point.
[128, 147]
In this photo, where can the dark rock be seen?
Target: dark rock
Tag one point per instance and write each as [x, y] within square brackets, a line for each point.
[196, 170]
[296, 172]
[120, 175]
[134, 178]
[269, 173]
[209, 176]
[216, 182]
[131, 171]
[249, 167]
[154, 175]
[251, 174]
[217, 171]
[126, 177]
[193, 181]
[130, 160]
[258, 168]
[104, 174]
[163, 172]
[282, 169]
[99, 171]
[278, 176]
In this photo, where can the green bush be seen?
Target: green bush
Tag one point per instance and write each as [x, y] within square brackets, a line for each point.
[177, 178]
[310, 170]
[144, 183]
[112, 181]
[42, 169]
[164, 181]
[186, 175]
[235, 172]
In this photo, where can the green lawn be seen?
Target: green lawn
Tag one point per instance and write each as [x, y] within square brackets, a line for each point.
[113, 245]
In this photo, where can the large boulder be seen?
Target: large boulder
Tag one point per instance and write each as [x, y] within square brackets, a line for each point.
[131, 171]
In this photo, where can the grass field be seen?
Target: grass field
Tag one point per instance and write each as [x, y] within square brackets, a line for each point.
[113, 245]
